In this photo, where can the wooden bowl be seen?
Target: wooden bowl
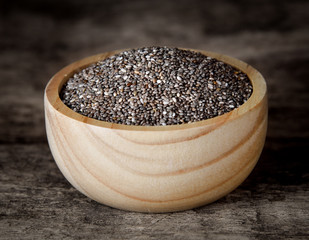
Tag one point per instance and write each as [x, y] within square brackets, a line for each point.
[156, 168]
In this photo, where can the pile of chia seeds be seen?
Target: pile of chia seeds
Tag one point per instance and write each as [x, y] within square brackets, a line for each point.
[156, 86]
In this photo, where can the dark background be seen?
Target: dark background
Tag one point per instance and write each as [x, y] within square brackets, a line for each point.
[38, 38]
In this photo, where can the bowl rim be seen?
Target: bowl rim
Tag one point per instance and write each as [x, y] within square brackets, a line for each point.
[55, 84]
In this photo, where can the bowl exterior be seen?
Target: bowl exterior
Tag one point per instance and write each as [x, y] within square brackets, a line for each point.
[158, 171]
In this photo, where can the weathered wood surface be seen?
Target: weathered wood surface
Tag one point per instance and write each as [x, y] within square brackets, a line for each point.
[38, 38]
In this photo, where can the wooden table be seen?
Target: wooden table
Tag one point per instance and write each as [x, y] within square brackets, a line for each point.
[37, 39]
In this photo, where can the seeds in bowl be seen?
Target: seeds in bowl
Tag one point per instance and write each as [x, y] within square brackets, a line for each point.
[154, 86]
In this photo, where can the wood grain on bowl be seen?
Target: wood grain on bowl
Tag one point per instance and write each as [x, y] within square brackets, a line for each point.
[156, 168]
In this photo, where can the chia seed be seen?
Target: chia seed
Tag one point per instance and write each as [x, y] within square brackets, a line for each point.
[156, 86]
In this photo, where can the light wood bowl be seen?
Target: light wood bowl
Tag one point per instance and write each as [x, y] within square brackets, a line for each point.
[156, 168]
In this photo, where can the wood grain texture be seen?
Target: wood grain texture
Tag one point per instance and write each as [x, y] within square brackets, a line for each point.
[156, 168]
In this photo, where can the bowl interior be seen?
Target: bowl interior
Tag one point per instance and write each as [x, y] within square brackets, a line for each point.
[55, 85]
